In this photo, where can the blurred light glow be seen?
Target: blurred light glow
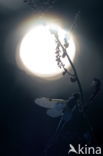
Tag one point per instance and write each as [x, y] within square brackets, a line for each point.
[37, 50]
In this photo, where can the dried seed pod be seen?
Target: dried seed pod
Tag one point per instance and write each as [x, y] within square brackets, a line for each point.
[58, 56]
[64, 54]
[66, 45]
[57, 51]
[58, 59]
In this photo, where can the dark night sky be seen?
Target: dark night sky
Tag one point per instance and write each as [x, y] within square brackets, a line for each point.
[25, 127]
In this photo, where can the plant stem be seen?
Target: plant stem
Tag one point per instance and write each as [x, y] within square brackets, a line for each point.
[75, 73]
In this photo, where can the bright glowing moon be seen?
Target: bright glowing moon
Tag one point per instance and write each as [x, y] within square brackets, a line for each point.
[37, 50]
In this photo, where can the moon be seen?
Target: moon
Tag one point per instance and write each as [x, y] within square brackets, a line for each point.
[37, 50]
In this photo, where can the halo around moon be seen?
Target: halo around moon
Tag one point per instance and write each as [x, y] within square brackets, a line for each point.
[37, 50]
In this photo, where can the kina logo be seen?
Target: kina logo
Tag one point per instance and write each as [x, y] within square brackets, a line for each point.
[84, 150]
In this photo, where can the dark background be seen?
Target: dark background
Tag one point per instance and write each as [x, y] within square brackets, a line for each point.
[25, 127]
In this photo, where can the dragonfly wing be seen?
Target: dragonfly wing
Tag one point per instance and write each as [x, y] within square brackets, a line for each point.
[57, 110]
[48, 102]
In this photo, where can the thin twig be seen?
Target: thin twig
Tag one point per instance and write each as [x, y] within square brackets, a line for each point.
[75, 73]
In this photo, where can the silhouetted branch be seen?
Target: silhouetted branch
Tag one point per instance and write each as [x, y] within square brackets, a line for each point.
[74, 77]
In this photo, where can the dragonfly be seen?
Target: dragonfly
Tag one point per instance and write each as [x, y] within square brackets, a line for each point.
[58, 108]
[64, 109]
